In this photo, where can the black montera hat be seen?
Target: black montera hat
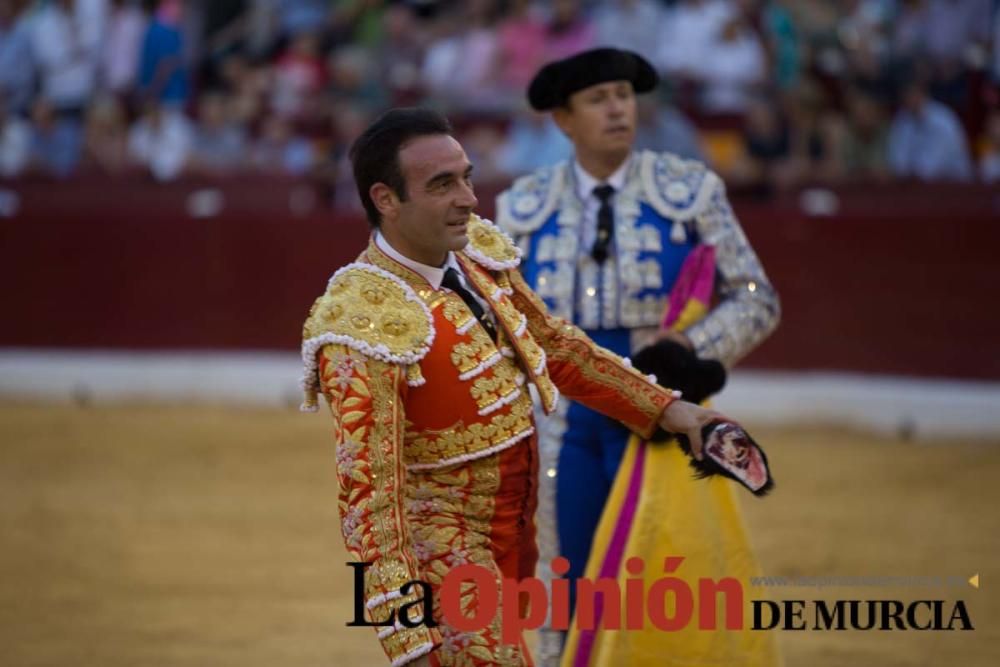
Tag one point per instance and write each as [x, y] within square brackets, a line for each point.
[555, 82]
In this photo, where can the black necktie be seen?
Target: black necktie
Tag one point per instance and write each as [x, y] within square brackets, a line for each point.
[454, 283]
[605, 223]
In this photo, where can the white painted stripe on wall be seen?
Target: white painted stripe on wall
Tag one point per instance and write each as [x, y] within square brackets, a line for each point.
[921, 407]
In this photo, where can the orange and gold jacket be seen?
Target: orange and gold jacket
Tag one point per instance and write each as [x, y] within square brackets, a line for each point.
[415, 384]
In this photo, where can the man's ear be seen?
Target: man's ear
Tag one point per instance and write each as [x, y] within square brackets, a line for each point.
[561, 116]
[385, 200]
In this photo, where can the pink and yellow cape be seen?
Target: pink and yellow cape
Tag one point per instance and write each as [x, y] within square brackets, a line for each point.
[657, 509]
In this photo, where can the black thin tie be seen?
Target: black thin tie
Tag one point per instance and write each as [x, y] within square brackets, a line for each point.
[605, 223]
[454, 283]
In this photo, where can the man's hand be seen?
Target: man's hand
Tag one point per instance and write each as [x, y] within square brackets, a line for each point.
[689, 419]
[676, 336]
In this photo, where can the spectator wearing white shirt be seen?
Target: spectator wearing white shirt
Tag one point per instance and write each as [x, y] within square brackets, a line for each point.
[122, 48]
[630, 24]
[17, 66]
[926, 139]
[462, 66]
[691, 29]
[220, 144]
[15, 143]
[57, 140]
[60, 49]
[91, 17]
[161, 141]
[735, 69]
[279, 150]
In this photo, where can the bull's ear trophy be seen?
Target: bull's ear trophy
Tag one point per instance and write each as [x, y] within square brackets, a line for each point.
[730, 451]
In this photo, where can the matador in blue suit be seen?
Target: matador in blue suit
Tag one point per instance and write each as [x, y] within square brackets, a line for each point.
[604, 236]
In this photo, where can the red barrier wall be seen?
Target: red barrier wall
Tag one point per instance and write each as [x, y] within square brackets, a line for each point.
[899, 280]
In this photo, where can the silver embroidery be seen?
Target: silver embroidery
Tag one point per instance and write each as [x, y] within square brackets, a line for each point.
[749, 309]
[551, 430]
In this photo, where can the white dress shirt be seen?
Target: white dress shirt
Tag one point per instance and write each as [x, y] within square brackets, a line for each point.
[585, 184]
[434, 275]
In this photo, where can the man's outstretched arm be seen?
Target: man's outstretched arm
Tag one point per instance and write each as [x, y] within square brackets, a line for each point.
[603, 381]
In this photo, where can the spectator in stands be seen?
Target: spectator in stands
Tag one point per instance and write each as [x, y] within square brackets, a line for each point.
[298, 16]
[482, 142]
[736, 67]
[909, 31]
[260, 29]
[247, 87]
[861, 149]
[521, 38]
[926, 140]
[783, 43]
[865, 25]
[56, 140]
[955, 28]
[814, 126]
[127, 27]
[989, 163]
[358, 23]
[348, 122]
[67, 69]
[15, 142]
[279, 150]
[299, 75]
[17, 65]
[767, 147]
[569, 30]
[870, 69]
[461, 64]
[995, 64]
[532, 141]
[662, 127]
[401, 52]
[105, 139]
[220, 143]
[91, 17]
[163, 70]
[161, 141]
[630, 24]
[956, 36]
[691, 30]
[218, 29]
[352, 77]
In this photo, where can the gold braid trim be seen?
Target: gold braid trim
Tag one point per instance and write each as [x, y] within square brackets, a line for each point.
[564, 342]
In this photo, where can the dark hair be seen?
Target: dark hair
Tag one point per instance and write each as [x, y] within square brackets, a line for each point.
[375, 154]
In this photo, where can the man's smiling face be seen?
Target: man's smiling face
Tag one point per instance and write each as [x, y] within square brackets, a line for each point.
[432, 219]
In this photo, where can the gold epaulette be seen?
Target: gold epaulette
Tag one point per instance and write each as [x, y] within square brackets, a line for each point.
[370, 310]
[490, 246]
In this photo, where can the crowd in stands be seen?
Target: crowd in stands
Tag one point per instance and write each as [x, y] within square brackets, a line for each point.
[772, 93]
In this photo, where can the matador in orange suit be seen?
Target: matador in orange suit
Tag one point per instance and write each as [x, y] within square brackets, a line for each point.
[424, 348]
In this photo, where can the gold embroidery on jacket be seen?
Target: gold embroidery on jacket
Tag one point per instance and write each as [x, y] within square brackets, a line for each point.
[427, 446]
[492, 389]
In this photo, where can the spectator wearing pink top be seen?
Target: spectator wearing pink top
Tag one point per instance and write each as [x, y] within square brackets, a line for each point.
[521, 41]
[569, 31]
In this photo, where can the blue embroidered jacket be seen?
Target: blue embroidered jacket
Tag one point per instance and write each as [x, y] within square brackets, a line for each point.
[666, 207]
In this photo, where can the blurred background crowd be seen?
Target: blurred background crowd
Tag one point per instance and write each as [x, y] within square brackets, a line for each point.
[774, 94]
